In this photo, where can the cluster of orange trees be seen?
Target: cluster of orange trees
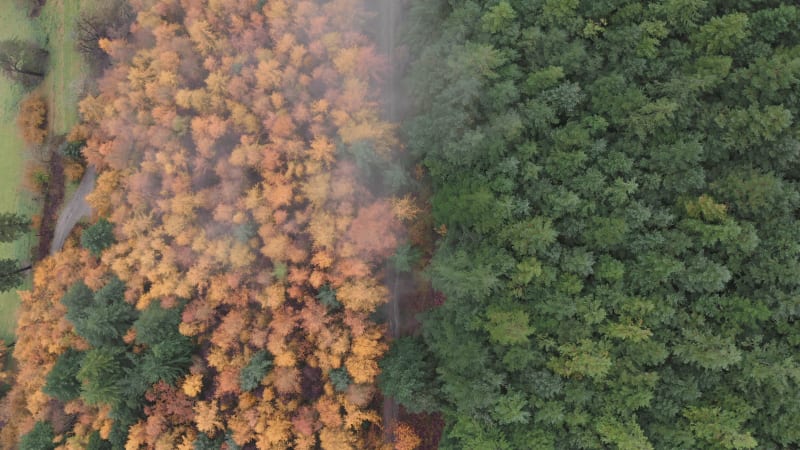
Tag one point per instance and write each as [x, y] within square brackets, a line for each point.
[241, 156]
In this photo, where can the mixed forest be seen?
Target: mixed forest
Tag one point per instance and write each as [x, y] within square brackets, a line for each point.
[587, 213]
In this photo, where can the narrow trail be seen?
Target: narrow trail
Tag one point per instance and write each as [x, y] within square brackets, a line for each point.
[75, 210]
[388, 20]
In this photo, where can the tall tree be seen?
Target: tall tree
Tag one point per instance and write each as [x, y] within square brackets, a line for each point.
[12, 226]
[21, 61]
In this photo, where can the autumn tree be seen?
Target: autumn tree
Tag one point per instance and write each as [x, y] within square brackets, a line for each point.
[101, 21]
[32, 119]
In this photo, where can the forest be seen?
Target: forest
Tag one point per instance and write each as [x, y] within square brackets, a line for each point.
[524, 224]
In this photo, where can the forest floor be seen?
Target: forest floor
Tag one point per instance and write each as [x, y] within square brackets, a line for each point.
[53, 29]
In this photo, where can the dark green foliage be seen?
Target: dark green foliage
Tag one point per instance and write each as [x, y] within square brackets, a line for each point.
[39, 438]
[12, 226]
[11, 274]
[618, 180]
[112, 373]
[62, 382]
[102, 374]
[327, 296]
[166, 360]
[97, 443]
[203, 442]
[98, 237]
[104, 319]
[340, 379]
[407, 374]
[251, 375]
[156, 324]
[74, 151]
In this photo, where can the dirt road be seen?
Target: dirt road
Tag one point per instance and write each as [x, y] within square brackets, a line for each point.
[75, 210]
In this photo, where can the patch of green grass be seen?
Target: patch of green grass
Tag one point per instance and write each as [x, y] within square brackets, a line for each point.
[67, 69]
[53, 29]
[13, 23]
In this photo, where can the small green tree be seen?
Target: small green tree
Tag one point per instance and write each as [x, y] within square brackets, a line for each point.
[340, 379]
[11, 274]
[74, 151]
[327, 297]
[12, 226]
[98, 237]
[250, 377]
[40, 438]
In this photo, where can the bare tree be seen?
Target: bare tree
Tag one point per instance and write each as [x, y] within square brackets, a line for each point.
[22, 61]
[108, 20]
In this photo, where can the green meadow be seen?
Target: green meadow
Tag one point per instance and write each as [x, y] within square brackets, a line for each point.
[54, 30]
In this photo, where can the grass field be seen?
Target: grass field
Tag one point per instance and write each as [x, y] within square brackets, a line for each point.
[53, 29]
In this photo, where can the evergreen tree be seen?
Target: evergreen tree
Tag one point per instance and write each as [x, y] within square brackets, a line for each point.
[12, 226]
[11, 274]
[39, 438]
[98, 237]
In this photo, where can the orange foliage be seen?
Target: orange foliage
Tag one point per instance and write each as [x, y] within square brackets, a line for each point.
[218, 163]
[405, 438]
[32, 119]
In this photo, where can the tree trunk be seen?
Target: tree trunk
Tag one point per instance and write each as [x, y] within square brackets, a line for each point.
[21, 269]
[28, 72]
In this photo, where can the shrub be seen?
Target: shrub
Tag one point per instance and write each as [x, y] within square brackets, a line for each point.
[32, 119]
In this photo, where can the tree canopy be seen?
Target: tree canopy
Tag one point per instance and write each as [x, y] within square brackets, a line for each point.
[618, 185]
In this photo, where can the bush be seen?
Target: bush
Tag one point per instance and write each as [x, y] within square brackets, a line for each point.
[32, 119]
[36, 177]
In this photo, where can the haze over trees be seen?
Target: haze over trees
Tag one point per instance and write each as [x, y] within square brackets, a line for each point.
[618, 182]
[226, 296]
[614, 186]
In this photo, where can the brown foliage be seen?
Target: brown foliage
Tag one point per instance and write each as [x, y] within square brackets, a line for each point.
[32, 119]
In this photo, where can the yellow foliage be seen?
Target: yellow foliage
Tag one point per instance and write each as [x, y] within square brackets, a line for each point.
[206, 416]
[192, 385]
[362, 295]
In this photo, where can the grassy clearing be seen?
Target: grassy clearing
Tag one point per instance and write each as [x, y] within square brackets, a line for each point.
[54, 29]
[13, 23]
[67, 70]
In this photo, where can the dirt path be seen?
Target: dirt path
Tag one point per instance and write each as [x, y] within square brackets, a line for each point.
[75, 210]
